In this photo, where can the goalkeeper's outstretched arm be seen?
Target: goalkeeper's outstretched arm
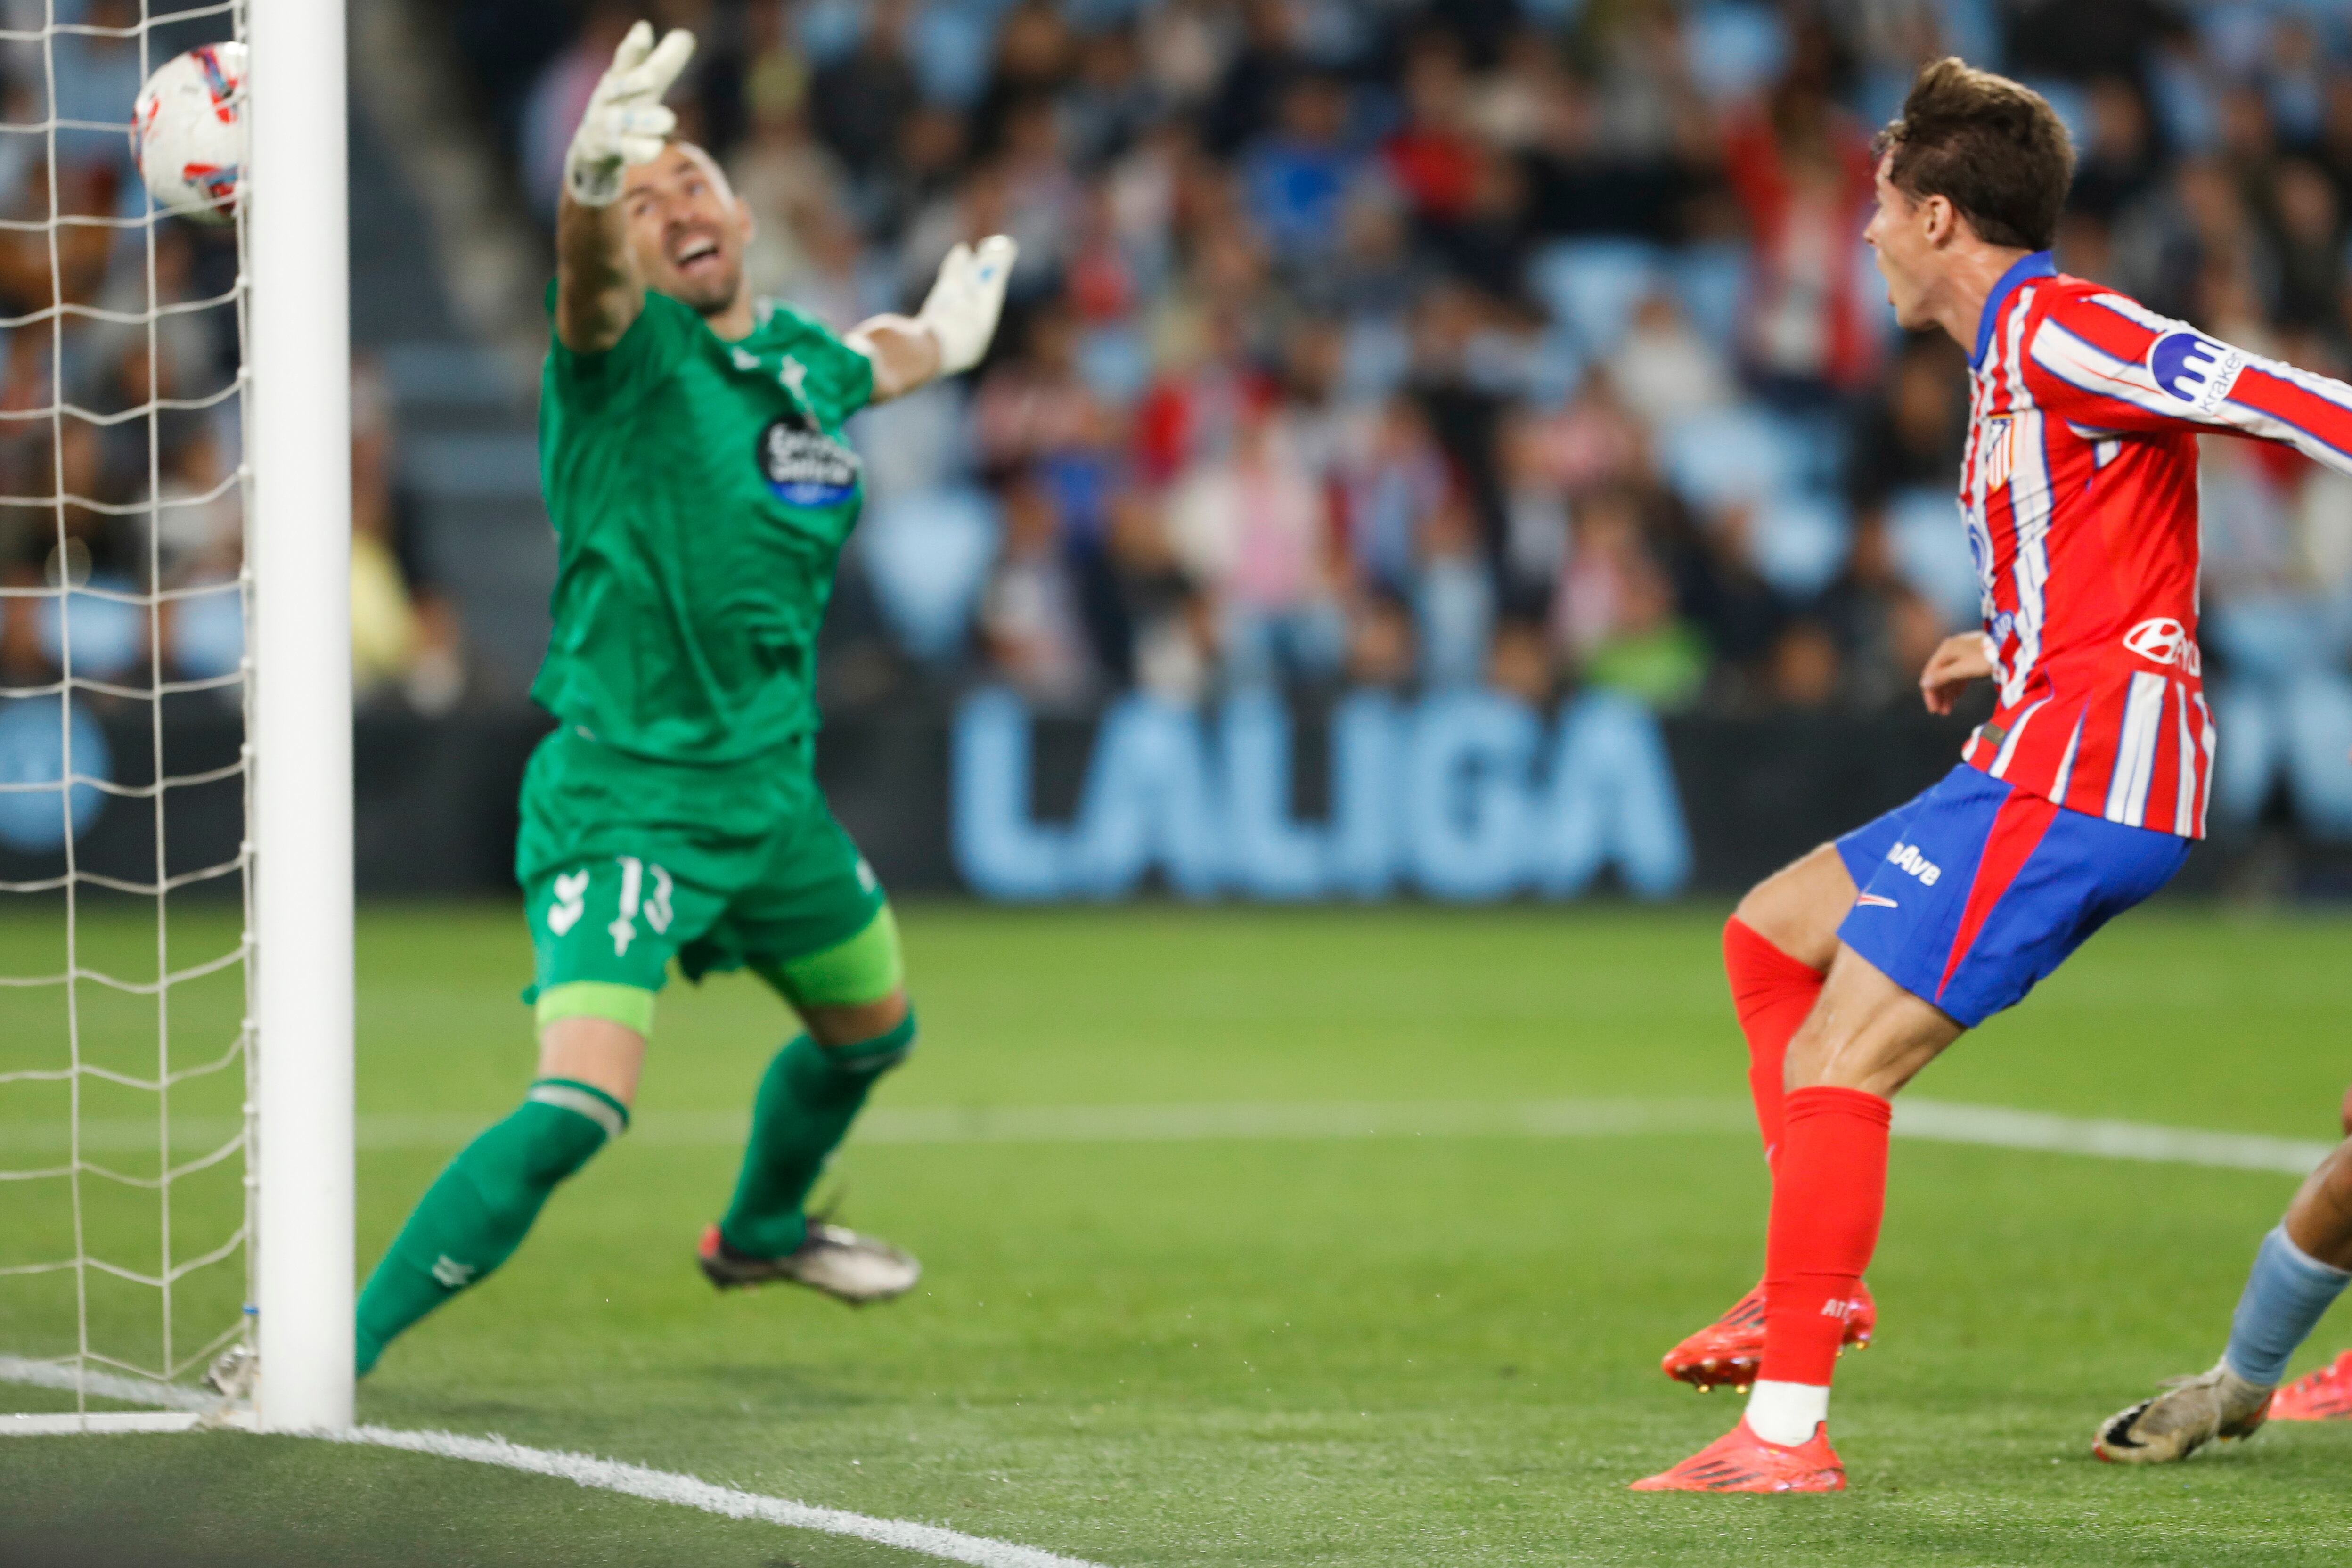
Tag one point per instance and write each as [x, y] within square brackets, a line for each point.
[598, 293]
[951, 332]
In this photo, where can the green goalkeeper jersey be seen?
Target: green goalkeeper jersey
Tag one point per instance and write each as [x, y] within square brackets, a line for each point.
[701, 492]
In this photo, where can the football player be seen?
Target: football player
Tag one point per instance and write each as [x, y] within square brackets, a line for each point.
[694, 466]
[1855, 967]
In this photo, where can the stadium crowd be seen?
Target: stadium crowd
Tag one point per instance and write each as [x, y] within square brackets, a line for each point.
[1526, 343]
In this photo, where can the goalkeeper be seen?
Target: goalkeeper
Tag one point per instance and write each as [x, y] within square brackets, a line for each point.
[691, 454]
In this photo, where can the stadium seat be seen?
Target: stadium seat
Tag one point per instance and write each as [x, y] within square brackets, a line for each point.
[912, 443]
[1728, 456]
[927, 555]
[1799, 542]
[1115, 363]
[1379, 355]
[1592, 287]
[1734, 48]
[1708, 281]
[206, 634]
[1931, 550]
[106, 633]
[32, 751]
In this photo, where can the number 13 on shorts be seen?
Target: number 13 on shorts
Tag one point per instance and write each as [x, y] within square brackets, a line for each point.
[608, 920]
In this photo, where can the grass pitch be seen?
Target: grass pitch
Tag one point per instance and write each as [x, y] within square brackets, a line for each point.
[1268, 1352]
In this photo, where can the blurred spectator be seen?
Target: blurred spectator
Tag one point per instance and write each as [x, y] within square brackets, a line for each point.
[1802, 172]
[1913, 436]
[2118, 163]
[1251, 526]
[1032, 621]
[1298, 177]
[862, 100]
[1665, 369]
[552, 111]
[1532, 345]
[404, 635]
[1613, 617]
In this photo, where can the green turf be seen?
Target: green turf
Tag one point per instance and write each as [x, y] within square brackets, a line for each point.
[1365, 1351]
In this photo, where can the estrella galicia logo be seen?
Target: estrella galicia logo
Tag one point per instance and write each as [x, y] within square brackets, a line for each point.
[804, 467]
[2193, 368]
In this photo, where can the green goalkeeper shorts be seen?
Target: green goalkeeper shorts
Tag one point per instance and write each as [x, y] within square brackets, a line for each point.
[627, 864]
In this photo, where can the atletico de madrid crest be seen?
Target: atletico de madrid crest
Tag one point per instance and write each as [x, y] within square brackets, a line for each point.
[1993, 451]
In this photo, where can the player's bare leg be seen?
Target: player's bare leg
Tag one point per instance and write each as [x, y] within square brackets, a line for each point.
[1777, 949]
[1864, 1040]
[2303, 1266]
[479, 1209]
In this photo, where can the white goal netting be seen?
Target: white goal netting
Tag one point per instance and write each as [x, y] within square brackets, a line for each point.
[125, 867]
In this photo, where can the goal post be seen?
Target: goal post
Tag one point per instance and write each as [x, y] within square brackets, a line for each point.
[297, 249]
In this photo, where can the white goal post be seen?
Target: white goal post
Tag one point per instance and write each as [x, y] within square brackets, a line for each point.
[297, 253]
[198, 564]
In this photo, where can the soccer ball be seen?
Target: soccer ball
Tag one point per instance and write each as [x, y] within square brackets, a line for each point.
[187, 132]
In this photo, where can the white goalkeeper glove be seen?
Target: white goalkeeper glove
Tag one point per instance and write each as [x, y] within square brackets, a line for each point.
[963, 305]
[625, 122]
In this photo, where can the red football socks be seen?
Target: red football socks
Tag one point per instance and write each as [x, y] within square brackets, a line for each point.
[1829, 1192]
[1772, 993]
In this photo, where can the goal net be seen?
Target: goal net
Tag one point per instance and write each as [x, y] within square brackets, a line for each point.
[145, 608]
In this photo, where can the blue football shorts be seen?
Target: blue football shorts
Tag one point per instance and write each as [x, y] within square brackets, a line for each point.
[1975, 889]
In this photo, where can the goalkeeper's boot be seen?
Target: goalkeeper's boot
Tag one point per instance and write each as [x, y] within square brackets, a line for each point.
[1741, 1461]
[2321, 1396]
[2191, 1413]
[835, 1259]
[1729, 1349]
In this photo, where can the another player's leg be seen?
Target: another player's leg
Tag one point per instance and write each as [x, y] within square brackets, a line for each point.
[2300, 1270]
[852, 999]
[479, 1209]
[1777, 949]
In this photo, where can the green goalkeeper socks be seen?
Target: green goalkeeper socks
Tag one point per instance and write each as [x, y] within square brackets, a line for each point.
[478, 1209]
[807, 1099]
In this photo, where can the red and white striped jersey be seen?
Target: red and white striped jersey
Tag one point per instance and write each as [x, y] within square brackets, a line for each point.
[2080, 493]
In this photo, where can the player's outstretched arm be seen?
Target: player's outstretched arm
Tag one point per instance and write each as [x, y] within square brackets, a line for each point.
[2107, 362]
[598, 290]
[951, 332]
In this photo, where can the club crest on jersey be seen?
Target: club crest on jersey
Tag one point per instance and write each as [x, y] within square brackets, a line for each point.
[2163, 640]
[803, 466]
[2193, 368]
[1993, 454]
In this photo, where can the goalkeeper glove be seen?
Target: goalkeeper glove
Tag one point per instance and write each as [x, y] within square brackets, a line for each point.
[963, 305]
[625, 122]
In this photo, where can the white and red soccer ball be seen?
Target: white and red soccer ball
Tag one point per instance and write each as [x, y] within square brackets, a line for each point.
[187, 132]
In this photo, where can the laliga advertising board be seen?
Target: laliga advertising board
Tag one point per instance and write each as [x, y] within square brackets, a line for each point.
[1463, 795]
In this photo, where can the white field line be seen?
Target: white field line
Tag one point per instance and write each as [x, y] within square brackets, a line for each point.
[1934, 1121]
[581, 1470]
[103, 1384]
[663, 1486]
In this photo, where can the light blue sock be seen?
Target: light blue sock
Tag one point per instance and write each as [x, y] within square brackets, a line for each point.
[2286, 1292]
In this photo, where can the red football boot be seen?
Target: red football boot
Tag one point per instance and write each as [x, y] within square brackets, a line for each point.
[2321, 1396]
[1741, 1461]
[1729, 1349]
